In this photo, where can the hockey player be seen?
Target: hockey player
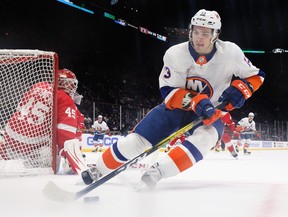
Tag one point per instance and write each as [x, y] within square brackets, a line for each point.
[69, 120]
[229, 130]
[196, 77]
[247, 127]
[33, 115]
[100, 128]
[25, 132]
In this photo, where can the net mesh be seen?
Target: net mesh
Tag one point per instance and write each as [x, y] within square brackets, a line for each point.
[26, 111]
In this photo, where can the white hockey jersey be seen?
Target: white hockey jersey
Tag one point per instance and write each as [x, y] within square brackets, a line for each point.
[100, 127]
[211, 74]
[247, 125]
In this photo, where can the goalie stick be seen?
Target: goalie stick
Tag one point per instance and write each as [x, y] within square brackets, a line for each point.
[55, 193]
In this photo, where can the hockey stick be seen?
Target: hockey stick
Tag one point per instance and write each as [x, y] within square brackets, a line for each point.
[53, 192]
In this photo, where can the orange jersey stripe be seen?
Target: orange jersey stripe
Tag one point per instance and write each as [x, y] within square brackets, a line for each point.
[109, 160]
[180, 158]
[255, 81]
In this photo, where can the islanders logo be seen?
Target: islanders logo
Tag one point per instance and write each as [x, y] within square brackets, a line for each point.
[198, 85]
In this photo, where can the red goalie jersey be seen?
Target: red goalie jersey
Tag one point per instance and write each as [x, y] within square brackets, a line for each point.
[29, 128]
[67, 118]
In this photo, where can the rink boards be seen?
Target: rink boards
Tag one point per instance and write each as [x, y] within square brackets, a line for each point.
[88, 144]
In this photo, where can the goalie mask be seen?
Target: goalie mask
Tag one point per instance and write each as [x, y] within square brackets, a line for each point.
[67, 81]
[208, 19]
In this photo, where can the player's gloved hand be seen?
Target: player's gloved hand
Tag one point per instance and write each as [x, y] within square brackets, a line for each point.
[236, 94]
[203, 107]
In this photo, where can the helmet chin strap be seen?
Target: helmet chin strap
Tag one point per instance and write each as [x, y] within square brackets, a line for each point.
[214, 39]
[215, 35]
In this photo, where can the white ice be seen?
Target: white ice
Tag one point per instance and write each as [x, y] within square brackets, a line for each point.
[218, 186]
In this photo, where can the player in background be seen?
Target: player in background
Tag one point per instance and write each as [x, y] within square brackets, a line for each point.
[229, 130]
[100, 128]
[197, 75]
[69, 121]
[247, 128]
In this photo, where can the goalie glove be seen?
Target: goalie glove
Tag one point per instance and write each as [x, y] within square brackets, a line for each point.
[236, 94]
[202, 106]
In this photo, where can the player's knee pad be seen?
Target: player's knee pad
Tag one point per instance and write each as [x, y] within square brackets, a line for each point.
[190, 152]
[121, 151]
[204, 138]
[132, 145]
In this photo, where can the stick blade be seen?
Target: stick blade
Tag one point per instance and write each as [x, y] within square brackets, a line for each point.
[55, 193]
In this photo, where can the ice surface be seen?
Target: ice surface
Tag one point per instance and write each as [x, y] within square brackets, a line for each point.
[218, 186]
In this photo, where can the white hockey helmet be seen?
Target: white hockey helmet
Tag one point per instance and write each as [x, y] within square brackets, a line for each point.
[208, 19]
[251, 114]
[100, 116]
[67, 81]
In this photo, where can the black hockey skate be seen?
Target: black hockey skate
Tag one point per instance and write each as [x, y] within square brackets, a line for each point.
[90, 175]
[246, 152]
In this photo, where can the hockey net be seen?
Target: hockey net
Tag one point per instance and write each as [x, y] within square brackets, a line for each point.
[27, 112]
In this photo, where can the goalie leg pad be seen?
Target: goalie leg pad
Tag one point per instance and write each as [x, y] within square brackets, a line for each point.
[74, 155]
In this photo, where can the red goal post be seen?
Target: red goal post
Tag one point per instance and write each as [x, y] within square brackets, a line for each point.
[28, 112]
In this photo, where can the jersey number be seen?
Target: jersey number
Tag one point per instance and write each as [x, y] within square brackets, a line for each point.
[33, 109]
[70, 112]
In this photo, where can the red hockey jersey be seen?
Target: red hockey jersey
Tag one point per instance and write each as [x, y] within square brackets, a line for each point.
[30, 127]
[67, 118]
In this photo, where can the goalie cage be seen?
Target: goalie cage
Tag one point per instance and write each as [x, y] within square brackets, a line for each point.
[28, 112]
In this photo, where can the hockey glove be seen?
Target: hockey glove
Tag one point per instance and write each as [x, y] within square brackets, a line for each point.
[203, 107]
[236, 94]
